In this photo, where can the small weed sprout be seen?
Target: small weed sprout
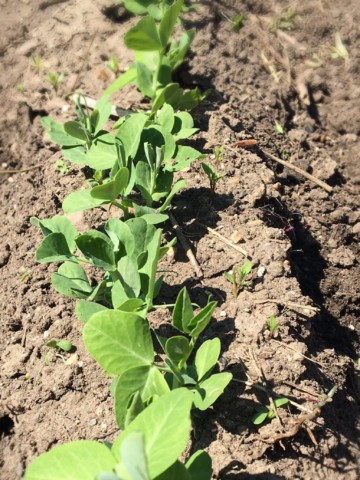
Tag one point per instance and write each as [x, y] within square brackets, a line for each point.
[339, 51]
[213, 175]
[238, 22]
[36, 63]
[264, 413]
[55, 79]
[279, 129]
[287, 21]
[21, 88]
[219, 154]
[238, 277]
[62, 167]
[113, 64]
[273, 325]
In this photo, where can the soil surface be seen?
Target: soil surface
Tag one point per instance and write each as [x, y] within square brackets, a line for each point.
[302, 239]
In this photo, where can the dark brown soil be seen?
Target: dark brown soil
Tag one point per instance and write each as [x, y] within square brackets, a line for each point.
[303, 240]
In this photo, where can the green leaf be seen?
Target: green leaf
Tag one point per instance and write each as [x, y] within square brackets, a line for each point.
[200, 321]
[166, 117]
[132, 305]
[144, 80]
[112, 189]
[184, 157]
[71, 280]
[206, 357]
[168, 22]
[211, 389]
[76, 130]
[279, 402]
[177, 471]
[54, 248]
[57, 224]
[183, 311]
[230, 277]
[142, 233]
[179, 185]
[103, 107]
[56, 132]
[246, 268]
[118, 341]
[166, 428]
[199, 466]
[124, 79]
[85, 310]
[147, 380]
[121, 235]
[178, 348]
[133, 457]
[75, 155]
[144, 36]
[79, 201]
[130, 133]
[98, 247]
[82, 459]
[64, 345]
[102, 155]
[150, 267]
[260, 417]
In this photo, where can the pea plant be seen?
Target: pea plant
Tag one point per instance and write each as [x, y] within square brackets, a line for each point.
[237, 277]
[147, 449]
[133, 168]
[157, 55]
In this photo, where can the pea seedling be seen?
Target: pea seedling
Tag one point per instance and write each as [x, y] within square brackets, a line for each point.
[339, 51]
[213, 175]
[55, 79]
[238, 277]
[238, 22]
[264, 413]
[36, 63]
[273, 325]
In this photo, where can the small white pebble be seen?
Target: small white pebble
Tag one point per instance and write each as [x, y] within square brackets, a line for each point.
[261, 271]
[351, 327]
[4, 165]
[65, 108]
[80, 364]
[103, 426]
[92, 422]
[46, 334]
[11, 179]
[222, 313]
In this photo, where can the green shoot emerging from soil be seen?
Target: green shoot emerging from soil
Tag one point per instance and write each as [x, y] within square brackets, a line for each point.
[213, 175]
[264, 413]
[238, 277]
[55, 79]
[273, 325]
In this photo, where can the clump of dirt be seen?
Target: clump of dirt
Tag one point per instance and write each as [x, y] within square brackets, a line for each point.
[302, 240]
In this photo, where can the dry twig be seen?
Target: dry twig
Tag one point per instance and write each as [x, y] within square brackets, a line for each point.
[21, 170]
[286, 304]
[186, 246]
[224, 240]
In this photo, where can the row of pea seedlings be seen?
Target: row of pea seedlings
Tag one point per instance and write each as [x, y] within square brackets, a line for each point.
[133, 170]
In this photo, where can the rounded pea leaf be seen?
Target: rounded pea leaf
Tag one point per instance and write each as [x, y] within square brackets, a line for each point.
[71, 280]
[144, 36]
[82, 459]
[79, 201]
[206, 357]
[111, 190]
[165, 425]
[118, 341]
[98, 247]
[54, 248]
[211, 389]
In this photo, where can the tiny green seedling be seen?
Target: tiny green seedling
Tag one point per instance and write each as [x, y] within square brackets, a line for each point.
[264, 413]
[62, 167]
[62, 345]
[21, 88]
[339, 51]
[273, 325]
[113, 64]
[213, 175]
[279, 129]
[238, 277]
[219, 154]
[25, 276]
[36, 63]
[287, 21]
[238, 22]
[55, 79]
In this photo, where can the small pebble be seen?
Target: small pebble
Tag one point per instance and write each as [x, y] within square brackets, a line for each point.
[92, 422]
[222, 313]
[103, 426]
[46, 334]
[261, 271]
[11, 179]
